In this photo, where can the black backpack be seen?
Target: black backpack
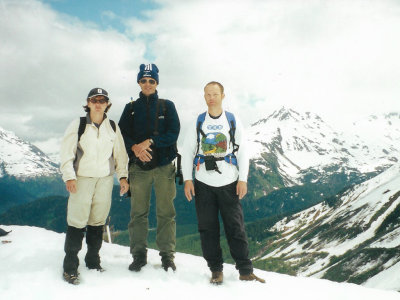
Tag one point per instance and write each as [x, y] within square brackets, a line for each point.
[82, 126]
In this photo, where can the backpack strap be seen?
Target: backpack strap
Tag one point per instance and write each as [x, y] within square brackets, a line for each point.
[132, 106]
[82, 127]
[112, 123]
[199, 124]
[178, 174]
[164, 110]
[232, 130]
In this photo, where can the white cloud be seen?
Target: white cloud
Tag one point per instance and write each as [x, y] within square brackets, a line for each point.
[332, 57]
[49, 62]
[336, 58]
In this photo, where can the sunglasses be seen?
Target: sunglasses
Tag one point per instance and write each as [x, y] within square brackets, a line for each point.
[94, 101]
[151, 81]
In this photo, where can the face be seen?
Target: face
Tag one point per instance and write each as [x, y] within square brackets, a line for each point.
[98, 107]
[148, 85]
[213, 96]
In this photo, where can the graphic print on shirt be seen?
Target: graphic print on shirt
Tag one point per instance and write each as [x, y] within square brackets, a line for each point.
[214, 143]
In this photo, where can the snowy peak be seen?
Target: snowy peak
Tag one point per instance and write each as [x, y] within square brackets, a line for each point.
[297, 142]
[21, 159]
[286, 114]
[303, 141]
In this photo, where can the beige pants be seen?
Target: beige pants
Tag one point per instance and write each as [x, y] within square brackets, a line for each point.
[91, 203]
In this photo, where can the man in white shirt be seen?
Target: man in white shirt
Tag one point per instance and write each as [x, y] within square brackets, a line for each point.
[215, 146]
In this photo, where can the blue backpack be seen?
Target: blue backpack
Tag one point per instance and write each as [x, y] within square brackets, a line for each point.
[229, 158]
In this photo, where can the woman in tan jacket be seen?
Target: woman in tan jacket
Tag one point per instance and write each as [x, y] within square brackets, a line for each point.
[92, 150]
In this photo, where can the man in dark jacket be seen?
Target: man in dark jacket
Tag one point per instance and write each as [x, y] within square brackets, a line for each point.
[150, 127]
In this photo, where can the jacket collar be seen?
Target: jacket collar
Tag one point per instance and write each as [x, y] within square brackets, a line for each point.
[151, 97]
[89, 121]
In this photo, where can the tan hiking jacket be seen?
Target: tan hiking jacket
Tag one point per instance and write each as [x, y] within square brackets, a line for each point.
[100, 151]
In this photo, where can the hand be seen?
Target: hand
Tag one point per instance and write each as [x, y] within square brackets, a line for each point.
[241, 189]
[145, 156]
[189, 190]
[124, 186]
[71, 185]
[139, 148]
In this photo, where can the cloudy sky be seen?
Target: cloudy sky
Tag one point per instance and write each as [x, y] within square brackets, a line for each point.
[339, 59]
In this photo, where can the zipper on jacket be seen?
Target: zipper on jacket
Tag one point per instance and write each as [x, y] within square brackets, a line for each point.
[148, 117]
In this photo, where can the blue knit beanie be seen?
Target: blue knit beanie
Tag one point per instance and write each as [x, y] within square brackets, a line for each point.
[149, 70]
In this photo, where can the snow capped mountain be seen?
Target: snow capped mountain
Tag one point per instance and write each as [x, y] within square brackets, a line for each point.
[383, 130]
[31, 267]
[354, 237]
[22, 159]
[300, 144]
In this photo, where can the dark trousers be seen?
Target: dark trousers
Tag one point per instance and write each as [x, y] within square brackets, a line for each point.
[209, 202]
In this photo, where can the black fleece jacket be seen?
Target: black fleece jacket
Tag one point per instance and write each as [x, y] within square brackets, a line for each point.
[139, 126]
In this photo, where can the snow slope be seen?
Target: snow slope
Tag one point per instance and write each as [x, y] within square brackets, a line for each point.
[30, 268]
[21, 159]
[360, 232]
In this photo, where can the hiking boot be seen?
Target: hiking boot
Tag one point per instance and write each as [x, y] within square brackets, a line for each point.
[217, 277]
[138, 263]
[168, 262]
[251, 277]
[72, 277]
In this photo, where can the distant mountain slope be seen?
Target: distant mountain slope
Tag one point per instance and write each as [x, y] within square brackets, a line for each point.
[352, 237]
[15, 191]
[21, 159]
[50, 212]
[26, 173]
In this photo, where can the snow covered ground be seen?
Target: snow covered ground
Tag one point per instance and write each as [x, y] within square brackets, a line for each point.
[31, 267]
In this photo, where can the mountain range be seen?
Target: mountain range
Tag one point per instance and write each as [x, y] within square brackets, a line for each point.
[297, 160]
[303, 148]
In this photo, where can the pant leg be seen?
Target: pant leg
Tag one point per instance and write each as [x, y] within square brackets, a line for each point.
[101, 201]
[73, 244]
[94, 240]
[79, 203]
[140, 186]
[208, 225]
[165, 190]
[232, 217]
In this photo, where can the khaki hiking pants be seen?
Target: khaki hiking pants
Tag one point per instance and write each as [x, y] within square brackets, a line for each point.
[141, 182]
[91, 203]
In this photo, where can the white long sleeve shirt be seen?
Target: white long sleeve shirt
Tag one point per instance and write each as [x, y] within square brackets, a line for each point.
[217, 143]
[99, 153]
